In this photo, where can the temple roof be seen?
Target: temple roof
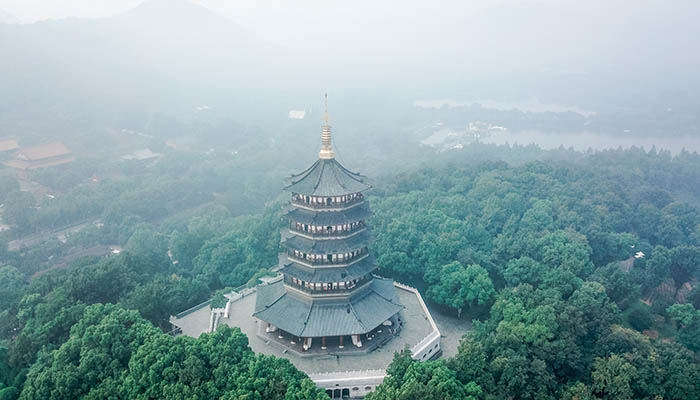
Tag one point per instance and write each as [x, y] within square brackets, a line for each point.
[327, 177]
[324, 218]
[337, 274]
[336, 246]
[357, 315]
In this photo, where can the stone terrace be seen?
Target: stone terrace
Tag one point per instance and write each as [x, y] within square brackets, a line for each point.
[415, 327]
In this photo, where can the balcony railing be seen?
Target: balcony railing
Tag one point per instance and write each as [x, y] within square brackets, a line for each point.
[327, 205]
[288, 281]
[324, 261]
[325, 233]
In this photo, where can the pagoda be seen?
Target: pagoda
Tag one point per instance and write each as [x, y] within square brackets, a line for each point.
[329, 291]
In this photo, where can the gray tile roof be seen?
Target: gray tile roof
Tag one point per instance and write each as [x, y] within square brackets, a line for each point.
[359, 314]
[337, 274]
[327, 178]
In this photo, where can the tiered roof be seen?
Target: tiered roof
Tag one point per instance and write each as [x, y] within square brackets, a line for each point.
[360, 314]
[327, 178]
[354, 309]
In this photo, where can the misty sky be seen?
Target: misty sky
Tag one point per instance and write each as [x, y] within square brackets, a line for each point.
[580, 52]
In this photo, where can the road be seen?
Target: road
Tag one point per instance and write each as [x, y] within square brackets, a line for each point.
[29, 240]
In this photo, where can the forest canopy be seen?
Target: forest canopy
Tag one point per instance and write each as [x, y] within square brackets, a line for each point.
[579, 270]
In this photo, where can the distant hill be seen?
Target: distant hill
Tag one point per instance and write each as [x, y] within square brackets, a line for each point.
[173, 55]
[162, 55]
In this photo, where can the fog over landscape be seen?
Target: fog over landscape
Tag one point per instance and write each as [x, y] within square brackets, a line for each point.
[318, 199]
[631, 68]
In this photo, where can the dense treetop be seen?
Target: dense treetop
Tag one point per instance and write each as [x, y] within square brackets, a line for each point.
[538, 248]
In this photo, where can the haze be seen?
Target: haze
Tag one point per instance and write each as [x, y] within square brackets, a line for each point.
[349, 199]
[596, 55]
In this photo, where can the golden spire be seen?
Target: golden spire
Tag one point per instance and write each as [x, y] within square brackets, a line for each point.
[326, 152]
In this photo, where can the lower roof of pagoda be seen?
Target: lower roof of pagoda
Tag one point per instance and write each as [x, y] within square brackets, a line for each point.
[335, 274]
[359, 314]
[339, 246]
[323, 218]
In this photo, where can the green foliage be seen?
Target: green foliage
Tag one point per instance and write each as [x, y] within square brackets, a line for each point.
[91, 362]
[612, 378]
[535, 246]
[219, 301]
[233, 258]
[8, 184]
[19, 209]
[431, 380]
[114, 353]
[688, 317]
[524, 270]
[459, 287]
[640, 317]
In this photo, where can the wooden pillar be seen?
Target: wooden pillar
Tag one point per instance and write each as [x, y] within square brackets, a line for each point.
[323, 343]
[341, 342]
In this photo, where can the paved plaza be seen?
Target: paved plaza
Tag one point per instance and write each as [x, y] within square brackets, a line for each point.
[415, 327]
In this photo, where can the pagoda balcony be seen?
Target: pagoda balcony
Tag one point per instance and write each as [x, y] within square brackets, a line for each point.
[328, 233]
[338, 262]
[326, 203]
[327, 289]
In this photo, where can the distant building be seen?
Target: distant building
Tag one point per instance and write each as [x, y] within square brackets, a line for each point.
[297, 114]
[45, 155]
[141, 155]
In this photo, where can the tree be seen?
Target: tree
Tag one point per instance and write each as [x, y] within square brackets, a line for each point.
[470, 363]
[612, 377]
[8, 184]
[524, 270]
[459, 287]
[11, 286]
[689, 320]
[150, 246]
[640, 317]
[184, 247]
[92, 361]
[430, 380]
[19, 209]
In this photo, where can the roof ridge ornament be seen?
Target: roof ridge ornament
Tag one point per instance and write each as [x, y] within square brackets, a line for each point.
[326, 152]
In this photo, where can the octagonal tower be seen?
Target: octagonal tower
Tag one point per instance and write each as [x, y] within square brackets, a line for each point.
[329, 290]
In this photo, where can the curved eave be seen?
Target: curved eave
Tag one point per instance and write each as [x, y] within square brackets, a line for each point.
[358, 315]
[327, 178]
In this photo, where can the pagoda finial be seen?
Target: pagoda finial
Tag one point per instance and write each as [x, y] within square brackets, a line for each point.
[325, 112]
[326, 152]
